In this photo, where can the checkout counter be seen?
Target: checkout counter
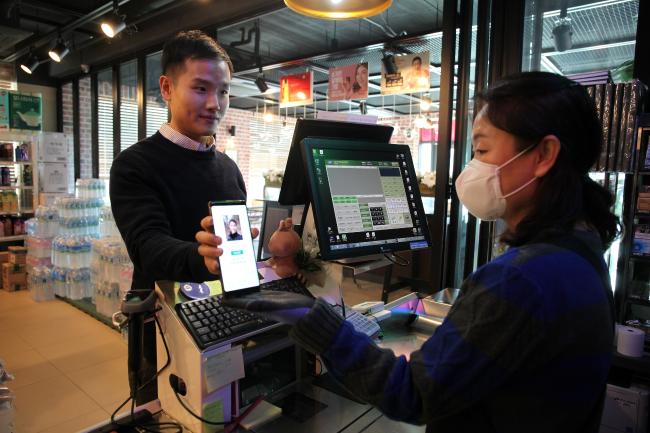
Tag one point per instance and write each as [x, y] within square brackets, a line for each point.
[222, 380]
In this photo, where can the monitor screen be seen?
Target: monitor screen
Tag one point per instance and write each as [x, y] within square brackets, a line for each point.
[365, 196]
[294, 184]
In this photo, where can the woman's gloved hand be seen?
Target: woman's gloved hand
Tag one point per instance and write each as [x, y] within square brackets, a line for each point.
[283, 307]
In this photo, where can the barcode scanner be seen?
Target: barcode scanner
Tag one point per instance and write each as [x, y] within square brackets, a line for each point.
[135, 305]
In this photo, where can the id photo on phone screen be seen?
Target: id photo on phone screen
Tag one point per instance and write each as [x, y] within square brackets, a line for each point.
[233, 228]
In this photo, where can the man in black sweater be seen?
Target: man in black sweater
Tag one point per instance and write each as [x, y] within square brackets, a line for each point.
[160, 186]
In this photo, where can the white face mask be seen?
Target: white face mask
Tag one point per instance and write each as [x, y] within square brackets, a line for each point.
[479, 188]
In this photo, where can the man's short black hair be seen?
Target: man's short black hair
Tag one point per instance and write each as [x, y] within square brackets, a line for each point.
[192, 44]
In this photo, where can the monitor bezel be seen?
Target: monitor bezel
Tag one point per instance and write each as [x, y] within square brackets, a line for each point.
[294, 189]
[269, 204]
[326, 253]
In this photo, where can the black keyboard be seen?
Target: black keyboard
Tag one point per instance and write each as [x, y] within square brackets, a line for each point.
[210, 323]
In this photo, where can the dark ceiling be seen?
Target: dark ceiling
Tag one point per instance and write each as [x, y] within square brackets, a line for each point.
[604, 35]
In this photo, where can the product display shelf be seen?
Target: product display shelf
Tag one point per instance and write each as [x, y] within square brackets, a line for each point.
[18, 196]
[12, 238]
[634, 261]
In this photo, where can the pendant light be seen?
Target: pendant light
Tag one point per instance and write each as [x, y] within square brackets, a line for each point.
[338, 9]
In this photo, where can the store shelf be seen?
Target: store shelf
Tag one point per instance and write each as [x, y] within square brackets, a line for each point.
[12, 238]
[638, 301]
[9, 188]
[645, 259]
[639, 365]
[15, 163]
[17, 213]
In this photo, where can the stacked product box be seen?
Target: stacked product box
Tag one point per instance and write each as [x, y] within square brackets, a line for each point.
[40, 231]
[14, 276]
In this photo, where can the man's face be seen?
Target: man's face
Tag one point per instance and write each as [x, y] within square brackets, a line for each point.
[198, 96]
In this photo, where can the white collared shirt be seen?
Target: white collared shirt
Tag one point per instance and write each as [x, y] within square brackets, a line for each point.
[184, 141]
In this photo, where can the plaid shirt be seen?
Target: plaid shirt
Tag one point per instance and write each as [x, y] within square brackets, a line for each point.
[184, 141]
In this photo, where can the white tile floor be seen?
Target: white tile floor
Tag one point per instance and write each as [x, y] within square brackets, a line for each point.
[70, 369]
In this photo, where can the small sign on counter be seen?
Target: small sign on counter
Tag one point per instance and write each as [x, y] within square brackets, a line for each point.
[223, 368]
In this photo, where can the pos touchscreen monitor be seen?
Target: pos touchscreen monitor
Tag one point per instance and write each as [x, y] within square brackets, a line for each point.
[294, 183]
[365, 196]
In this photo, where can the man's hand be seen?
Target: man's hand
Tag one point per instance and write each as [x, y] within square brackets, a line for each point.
[209, 244]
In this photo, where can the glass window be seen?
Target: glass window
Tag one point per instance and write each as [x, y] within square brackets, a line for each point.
[592, 36]
[155, 106]
[105, 121]
[128, 104]
[270, 140]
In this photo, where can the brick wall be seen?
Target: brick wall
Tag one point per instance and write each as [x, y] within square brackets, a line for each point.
[68, 111]
[85, 128]
[241, 141]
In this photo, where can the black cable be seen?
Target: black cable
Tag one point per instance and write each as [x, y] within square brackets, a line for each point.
[402, 261]
[160, 425]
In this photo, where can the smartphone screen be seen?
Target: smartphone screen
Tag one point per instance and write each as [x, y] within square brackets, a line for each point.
[238, 266]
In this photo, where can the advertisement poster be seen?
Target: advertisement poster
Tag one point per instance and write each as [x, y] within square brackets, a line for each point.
[25, 112]
[348, 82]
[296, 89]
[412, 75]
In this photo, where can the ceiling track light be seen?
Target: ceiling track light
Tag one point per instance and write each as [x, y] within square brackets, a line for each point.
[113, 23]
[30, 63]
[260, 82]
[59, 51]
[338, 9]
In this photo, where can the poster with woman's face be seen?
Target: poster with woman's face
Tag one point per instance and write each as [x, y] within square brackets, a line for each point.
[412, 75]
[348, 82]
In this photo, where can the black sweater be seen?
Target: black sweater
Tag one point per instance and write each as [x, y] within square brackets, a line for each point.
[159, 194]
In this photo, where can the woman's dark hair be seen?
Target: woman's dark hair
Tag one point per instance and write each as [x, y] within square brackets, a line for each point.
[192, 44]
[233, 221]
[532, 105]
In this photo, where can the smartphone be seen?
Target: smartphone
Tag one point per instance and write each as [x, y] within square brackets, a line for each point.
[237, 264]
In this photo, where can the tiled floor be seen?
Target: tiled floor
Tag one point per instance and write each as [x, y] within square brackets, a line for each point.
[70, 369]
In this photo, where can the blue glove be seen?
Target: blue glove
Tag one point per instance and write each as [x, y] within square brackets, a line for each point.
[283, 307]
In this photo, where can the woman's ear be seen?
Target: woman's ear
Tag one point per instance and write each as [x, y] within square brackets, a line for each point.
[547, 152]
